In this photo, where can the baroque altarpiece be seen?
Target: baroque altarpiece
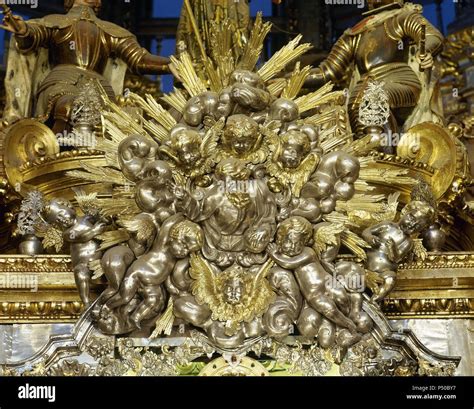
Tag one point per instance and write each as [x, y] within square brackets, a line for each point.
[265, 217]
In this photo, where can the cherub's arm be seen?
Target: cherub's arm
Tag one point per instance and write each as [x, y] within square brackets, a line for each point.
[163, 235]
[79, 234]
[180, 276]
[370, 235]
[199, 210]
[399, 252]
[291, 263]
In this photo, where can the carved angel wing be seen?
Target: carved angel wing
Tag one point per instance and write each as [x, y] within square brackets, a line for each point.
[96, 268]
[261, 293]
[143, 227]
[204, 286]
[327, 235]
[211, 139]
[270, 134]
[87, 202]
[305, 170]
[112, 238]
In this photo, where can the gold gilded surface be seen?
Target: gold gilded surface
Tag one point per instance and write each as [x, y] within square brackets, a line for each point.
[431, 144]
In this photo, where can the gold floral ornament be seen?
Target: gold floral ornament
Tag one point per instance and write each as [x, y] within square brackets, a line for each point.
[234, 295]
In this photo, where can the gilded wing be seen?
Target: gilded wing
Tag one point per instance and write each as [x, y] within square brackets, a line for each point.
[96, 268]
[112, 238]
[354, 243]
[211, 139]
[270, 133]
[204, 286]
[52, 237]
[87, 202]
[142, 227]
[304, 172]
[327, 235]
[261, 294]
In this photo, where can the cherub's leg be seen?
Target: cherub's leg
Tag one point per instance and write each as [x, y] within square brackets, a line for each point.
[115, 263]
[313, 286]
[188, 309]
[152, 304]
[127, 291]
[326, 306]
[326, 334]
[82, 278]
[342, 299]
[389, 278]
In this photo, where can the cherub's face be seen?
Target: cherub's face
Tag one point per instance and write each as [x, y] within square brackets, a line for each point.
[292, 154]
[413, 221]
[233, 291]
[65, 217]
[189, 154]
[243, 144]
[292, 243]
[241, 135]
[181, 248]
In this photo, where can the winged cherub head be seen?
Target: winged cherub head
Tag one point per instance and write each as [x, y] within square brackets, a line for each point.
[234, 289]
[186, 144]
[295, 146]
[241, 135]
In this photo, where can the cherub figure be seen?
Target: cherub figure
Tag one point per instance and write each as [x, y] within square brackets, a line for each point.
[178, 238]
[293, 162]
[242, 139]
[232, 296]
[193, 156]
[292, 252]
[392, 243]
[79, 232]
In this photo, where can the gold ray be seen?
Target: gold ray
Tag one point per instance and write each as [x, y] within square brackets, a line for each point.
[154, 110]
[277, 86]
[320, 97]
[282, 58]
[175, 100]
[187, 74]
[98, 174]
[296, 82]
[254, 47]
